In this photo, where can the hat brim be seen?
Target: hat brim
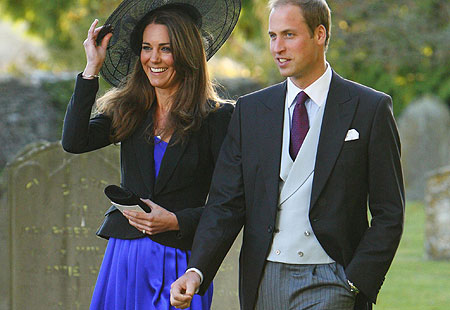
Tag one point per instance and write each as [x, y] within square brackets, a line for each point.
[219, 18]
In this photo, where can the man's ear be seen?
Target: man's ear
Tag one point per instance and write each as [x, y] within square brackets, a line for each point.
[320, 34]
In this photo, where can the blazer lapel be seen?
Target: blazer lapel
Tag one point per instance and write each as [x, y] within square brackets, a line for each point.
[338, 115]
[270, 116]
[144, 153]
[170, 160]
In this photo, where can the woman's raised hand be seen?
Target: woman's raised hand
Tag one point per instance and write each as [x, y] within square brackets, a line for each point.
[95, 54]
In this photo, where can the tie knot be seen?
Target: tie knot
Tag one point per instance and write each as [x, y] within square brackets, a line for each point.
[301, 98]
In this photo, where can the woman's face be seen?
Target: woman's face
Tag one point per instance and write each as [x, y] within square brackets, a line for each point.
[157, 59]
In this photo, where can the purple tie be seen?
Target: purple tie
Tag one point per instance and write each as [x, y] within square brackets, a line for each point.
[300, 125]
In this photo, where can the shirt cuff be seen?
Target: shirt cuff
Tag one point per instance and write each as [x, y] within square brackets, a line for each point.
[197, 272]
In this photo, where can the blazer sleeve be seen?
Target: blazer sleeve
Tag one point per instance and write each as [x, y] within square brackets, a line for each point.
[80, 133]
[379, 243]
[217, 125]
[224, 213]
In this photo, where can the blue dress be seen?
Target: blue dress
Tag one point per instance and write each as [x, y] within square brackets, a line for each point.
[136, 274]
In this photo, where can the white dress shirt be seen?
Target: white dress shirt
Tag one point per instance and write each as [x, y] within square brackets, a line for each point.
[317, 93]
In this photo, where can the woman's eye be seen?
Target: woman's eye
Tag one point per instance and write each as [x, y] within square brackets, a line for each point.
[146, 48]
[166, 49]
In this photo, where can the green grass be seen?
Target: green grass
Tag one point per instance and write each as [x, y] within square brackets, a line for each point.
[413, 282]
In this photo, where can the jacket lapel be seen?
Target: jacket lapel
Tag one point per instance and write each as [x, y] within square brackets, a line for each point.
[338, 115]
[144, 153]
[270, 119]
[169, 162]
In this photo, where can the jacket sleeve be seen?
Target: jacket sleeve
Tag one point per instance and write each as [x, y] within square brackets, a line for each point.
[80, 132]
[223, 216]
[217, 127]
[379, 243]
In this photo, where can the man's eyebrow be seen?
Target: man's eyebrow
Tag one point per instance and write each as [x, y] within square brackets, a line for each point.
[282, 32]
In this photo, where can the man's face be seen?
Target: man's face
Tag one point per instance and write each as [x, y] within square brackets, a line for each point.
[297, 53]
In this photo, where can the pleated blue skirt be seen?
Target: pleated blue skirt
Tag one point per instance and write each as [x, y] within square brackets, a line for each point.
[137, 274]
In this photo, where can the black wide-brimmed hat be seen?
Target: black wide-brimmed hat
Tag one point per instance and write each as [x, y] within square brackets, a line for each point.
[215, 19]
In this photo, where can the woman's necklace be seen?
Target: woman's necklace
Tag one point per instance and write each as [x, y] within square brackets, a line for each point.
[162, 128]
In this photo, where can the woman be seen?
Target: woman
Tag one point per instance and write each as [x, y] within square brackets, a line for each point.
[170, 125]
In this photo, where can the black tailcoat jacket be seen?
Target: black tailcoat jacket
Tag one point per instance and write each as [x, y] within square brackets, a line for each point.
[185, 174]
[349, 178]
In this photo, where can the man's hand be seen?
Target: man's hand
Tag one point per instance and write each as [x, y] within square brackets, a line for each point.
[183, 289]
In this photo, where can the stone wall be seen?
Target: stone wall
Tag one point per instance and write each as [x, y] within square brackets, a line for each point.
[29, 113]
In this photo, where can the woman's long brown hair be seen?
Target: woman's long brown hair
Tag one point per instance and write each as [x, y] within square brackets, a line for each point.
[128, 104]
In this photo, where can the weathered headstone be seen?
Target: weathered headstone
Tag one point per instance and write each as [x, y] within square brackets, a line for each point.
[4, 251]
[55, 204]
[50, 253]
[226, 282]
[437, 210]
[425, 135]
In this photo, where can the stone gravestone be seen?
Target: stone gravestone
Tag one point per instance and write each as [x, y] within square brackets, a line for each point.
[425, 136]
[437, 236]
[4, 250]
[55, 204]
[226, 282]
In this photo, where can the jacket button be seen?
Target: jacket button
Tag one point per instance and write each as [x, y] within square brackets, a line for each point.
[270, 229]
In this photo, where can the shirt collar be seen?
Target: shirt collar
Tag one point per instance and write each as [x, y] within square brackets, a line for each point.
[317, 91]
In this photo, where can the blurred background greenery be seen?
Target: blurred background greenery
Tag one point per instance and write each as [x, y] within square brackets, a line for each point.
[414, 283]
[398, 47]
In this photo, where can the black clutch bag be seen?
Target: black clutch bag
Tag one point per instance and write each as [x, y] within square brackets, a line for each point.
[124, 199]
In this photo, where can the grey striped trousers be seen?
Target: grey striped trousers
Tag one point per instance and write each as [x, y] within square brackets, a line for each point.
[304, 287]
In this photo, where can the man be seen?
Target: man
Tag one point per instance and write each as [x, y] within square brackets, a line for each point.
[301, 162]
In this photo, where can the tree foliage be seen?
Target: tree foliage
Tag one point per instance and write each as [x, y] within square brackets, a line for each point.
[62, 24]
[399, 47]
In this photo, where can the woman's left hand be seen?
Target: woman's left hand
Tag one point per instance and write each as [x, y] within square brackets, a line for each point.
[157, 221]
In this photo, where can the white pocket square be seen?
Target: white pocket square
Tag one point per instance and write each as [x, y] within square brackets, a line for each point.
[352, 134]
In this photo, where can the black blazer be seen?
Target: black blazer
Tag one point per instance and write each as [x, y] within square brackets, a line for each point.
[348, 175]
[185, 174]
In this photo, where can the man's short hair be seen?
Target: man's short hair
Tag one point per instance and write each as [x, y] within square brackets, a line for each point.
[315, 13]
